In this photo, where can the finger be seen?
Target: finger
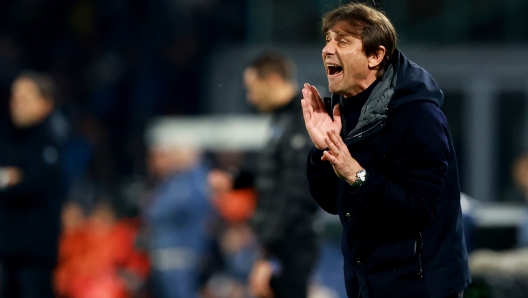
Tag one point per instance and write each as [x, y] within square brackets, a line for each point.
[337, 115]
[305, 89]
[306, 104]
[317, 97]
[336, 139]
[315, 103]
[306, 110]
[332, 146]
[329, 157]
[306, 95]
[315, 91]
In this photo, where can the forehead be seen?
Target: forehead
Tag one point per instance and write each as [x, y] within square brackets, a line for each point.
[24, 83]
[250, 75]
[343, 28]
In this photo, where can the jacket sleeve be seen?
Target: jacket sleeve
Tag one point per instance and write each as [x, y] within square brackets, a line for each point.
[322, 181]
[38, 179]
[410, 186]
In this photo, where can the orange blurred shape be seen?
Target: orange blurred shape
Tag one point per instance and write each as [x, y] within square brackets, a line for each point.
[238, 205]
[92, 255]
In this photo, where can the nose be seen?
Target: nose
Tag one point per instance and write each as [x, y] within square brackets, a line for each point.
[329, 49]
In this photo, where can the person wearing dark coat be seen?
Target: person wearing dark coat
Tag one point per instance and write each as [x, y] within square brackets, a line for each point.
[283, 221]
[384, 163]
[31, 190]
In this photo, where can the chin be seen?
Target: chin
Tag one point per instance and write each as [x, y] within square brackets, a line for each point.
[334, 90]
[334, 87]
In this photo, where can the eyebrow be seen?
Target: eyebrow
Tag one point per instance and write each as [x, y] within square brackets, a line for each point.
[339, 34]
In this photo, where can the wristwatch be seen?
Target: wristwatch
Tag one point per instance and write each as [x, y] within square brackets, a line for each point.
[361, 176]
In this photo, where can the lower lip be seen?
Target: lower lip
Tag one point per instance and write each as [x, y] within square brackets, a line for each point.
[335, 75]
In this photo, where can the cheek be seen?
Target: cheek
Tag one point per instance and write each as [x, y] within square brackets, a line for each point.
[259, 92]
[19, 108]
[357, 67]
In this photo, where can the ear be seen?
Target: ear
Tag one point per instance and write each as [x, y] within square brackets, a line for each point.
[377, 57]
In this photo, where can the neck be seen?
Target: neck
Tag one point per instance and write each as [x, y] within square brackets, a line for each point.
[361, 86]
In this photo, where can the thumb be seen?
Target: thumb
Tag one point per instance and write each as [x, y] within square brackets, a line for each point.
[337, 114]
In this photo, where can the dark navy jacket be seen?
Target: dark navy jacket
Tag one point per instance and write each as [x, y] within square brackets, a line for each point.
[30, 210]
[402, 229]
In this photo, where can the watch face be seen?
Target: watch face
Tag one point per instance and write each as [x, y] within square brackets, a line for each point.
[361, 174]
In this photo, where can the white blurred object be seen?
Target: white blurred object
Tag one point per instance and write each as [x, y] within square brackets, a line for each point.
[225, 132]
[320, 291]
[493, 214]
[466, 203]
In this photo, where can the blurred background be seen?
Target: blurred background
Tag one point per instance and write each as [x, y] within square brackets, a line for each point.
[125, 69]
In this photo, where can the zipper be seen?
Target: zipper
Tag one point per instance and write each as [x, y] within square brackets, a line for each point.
[420, 272]
[359, 134]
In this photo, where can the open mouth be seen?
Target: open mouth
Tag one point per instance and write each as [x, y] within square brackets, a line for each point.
[334, 69]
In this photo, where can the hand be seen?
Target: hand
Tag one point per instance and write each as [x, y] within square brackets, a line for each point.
[345, 166]
[259, 280]
[10, 176]
[316, 119]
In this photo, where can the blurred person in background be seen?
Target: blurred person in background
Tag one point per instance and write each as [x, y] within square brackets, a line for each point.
[283, 221]
[176, 215]
[385, 163]
[502, 273]
[520, 177]
[31, 188]
[97, 255]
[232, 245]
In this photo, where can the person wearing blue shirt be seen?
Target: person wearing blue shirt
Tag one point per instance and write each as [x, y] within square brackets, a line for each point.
[176, 218]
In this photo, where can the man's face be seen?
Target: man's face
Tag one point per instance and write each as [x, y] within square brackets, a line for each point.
[27, 105]
[345, 61]
[258, 90]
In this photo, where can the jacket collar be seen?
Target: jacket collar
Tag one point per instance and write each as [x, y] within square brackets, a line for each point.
[375, 108]
[402, 82]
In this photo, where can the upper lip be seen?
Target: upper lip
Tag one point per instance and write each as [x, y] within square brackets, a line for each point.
[329, 64]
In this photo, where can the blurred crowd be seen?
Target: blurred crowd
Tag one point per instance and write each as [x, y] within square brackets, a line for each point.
[116, 64]
[187, 236]
[134, 217]
[191, 236]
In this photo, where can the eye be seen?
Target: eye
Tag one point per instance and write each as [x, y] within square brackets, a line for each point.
[343, 41]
